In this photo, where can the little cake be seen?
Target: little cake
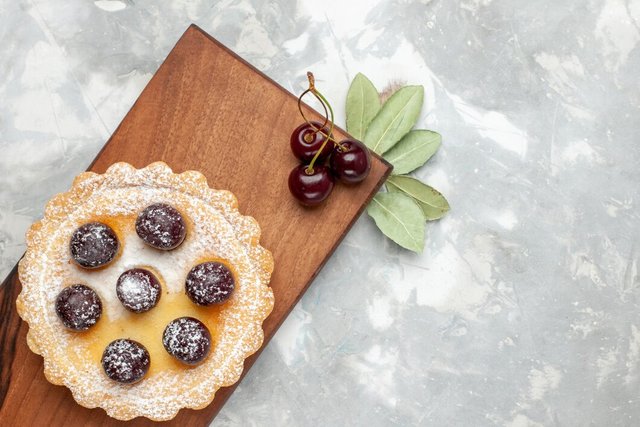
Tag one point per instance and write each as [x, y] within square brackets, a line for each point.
[144, 290]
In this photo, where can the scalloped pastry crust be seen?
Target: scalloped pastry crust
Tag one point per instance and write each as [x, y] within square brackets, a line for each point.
[215, 230]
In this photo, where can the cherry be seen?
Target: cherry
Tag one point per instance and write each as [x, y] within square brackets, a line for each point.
[78, 307]
[307, 141]
[313, 188]
[161, 226]
[187, 339]
[351, 161]
[125, 361]
[138, 290]
[209, 283]
[93, 245]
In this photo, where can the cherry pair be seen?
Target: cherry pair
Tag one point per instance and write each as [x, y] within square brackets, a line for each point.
[323, 158]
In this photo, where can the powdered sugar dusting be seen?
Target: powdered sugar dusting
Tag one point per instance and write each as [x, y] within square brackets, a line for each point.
[214, 230]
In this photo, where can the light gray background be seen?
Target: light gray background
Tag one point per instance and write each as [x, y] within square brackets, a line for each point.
[523, 308]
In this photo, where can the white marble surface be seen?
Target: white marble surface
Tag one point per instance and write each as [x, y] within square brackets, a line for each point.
[522, 310]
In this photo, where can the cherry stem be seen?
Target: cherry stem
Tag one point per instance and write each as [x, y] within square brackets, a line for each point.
[328, 112]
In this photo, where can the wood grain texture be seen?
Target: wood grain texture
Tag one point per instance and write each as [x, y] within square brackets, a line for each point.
[205, 109]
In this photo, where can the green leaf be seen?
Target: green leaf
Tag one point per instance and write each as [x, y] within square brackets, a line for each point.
[413, 150]
[396, 117]
[363, 103]
[399, 218]
[433, 204]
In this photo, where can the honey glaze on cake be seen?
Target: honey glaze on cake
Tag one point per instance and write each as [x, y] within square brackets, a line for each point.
[215, 231]
[147, 328]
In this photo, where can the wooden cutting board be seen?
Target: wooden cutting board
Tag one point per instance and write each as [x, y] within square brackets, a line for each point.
[205, 109]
